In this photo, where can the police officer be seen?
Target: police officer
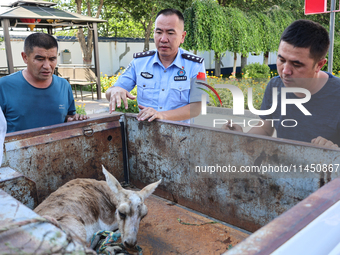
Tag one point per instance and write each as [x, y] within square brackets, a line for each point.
[164, 77]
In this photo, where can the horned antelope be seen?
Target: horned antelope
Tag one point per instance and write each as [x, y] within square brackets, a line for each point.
[85, 206]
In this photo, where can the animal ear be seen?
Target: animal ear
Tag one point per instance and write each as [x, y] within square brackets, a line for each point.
[148, 190]
[112, 182]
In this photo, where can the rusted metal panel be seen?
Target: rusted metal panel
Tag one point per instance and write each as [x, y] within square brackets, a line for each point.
[55, 155]
[59, 127]
[172, 151]
[18, 186]
[280, 230]
[33, 238]
[161, 233]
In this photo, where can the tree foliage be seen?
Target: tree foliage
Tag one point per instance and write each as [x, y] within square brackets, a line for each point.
[92, 10]
[336, 56]
[205, 23]
[144, 12]
[119, 24]
[266, 31]
[126, 18]
[238, 25]
[223, 27]
[141, 12]
[211, 26]
[281, 19]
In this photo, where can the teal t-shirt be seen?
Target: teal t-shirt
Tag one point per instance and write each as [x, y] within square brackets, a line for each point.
[25, 106]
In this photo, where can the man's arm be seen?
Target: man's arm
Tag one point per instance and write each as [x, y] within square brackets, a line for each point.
[3, 129]
[183, 113]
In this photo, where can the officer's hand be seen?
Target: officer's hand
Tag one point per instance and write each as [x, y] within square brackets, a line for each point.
[149, 112]
[234, 127]
[115, 95]
[324, 142]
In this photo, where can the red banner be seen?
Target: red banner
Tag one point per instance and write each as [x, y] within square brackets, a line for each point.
[315, 6]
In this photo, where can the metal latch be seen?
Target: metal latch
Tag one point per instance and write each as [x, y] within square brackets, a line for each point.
[87, 131]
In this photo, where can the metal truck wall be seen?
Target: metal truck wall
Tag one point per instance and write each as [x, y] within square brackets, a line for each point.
[54, 155]
[19, 187]
[172, 152]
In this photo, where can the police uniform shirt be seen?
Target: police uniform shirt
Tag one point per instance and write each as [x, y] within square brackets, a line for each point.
[163, 88]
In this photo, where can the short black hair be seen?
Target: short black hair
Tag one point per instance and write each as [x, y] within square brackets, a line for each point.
[308, 34]
[171, 11]
[40, 40]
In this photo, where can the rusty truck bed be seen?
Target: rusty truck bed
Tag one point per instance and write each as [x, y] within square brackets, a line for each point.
[36, 162]
[172, 229]
[167, 229]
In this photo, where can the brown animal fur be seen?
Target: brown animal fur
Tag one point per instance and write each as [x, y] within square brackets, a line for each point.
[85, 206]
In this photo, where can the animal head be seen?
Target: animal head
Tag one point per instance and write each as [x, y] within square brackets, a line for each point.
[130, 208]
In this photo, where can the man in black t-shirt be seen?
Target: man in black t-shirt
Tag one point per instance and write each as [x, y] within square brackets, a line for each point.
[301, 55]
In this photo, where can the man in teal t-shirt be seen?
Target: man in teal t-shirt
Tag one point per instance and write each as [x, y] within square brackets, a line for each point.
[3, 127]
[35, 97]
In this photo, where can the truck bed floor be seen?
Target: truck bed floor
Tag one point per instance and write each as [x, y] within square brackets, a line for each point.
[161, 232]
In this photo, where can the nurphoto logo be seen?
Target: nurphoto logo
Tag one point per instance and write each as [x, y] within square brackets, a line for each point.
[238, 104]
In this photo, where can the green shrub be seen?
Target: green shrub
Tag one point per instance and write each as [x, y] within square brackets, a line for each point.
[107, 82]
[258, 86]
[132, 104]
[132, 107]
[80, 109]
[336, 59]
[256, 70]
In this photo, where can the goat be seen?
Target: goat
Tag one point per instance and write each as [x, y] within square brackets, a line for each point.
[84, 206]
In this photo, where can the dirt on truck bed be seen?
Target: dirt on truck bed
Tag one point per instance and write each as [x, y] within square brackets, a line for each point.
[170, 229]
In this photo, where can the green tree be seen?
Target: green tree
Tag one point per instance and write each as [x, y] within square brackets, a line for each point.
[336, 56]
[214, 27]
[87, 44]
[241, 40]
[295, 6]
[144, 12]
[140, 11]
[90, 8]
[130, 18]
[271, 24]
[267, 32]
[206, 29]
[119, 23]
[253, 38]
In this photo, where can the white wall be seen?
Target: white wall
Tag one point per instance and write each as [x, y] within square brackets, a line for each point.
[228, 59]
[113, 55]
[17, 48]
[74, 48]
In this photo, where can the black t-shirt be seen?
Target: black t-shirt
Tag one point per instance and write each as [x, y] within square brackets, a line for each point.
[323, 105]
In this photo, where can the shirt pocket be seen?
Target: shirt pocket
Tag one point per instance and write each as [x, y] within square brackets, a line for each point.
[145, 91]
[179, 94]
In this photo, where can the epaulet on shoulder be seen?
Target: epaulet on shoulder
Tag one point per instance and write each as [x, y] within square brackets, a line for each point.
[192, 58]
[144, 54]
